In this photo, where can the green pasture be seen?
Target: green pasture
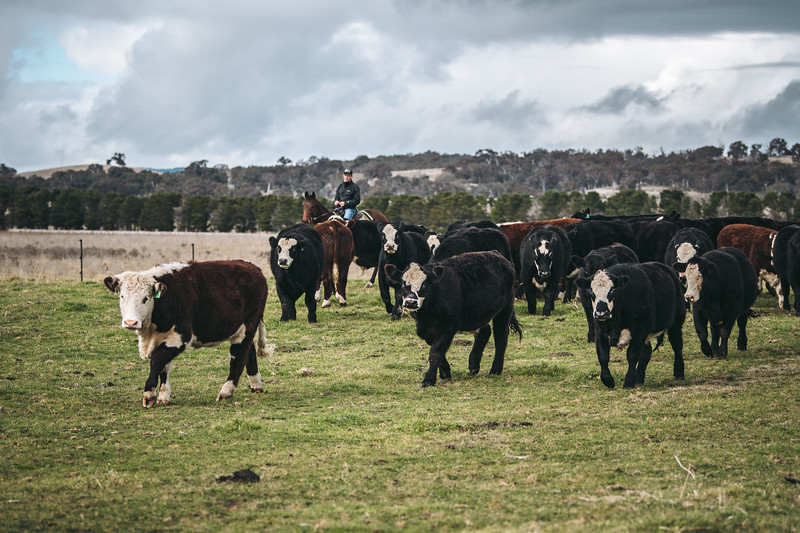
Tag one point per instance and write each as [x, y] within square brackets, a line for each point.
[344, 439]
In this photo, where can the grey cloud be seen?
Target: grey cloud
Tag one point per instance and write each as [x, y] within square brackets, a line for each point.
[621, 98]
[776, 118]
[510, 112]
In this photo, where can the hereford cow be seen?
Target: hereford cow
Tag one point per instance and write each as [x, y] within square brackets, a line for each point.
[472, 239]
[366, 246]
[780, 259]
[545, 255]
[337, 243]
[400, 249]
[793, 269]
[176, 306]
[687, 243]
[722, 286]
[595, 260]
[296, 261]
[632, 303]
[756, 243]
[462, 293]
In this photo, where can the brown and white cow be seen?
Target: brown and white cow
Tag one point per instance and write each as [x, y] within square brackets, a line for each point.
[756, 243]
[176, 306]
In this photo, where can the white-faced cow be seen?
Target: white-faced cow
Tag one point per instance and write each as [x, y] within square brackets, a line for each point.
[633, 303]
[545, 255]
[721, 285]
[400, 249]
[462, 293]
[599, 259]
[687, 243]
[296, 261]
[176, 306]
[472, 239]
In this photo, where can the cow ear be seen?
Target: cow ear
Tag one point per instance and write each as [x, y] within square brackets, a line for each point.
[112, 283]
[577, 261]
[401, 226]
[158, 289]
[273, 242]
[392, 274]
[438, 271]
[679, 267]
[583, 283]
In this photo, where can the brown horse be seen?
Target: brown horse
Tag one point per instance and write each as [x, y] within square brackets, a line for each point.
[314, 212]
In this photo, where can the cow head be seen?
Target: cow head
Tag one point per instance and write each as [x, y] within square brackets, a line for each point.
[433, 240]
[286, 249]
[137, 294]
[685, 251]
[390, 236]
[602, 288]
[543, 260]
[694, 271]
[414, 284]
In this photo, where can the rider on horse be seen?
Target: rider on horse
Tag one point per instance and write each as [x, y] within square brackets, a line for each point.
[348, 196]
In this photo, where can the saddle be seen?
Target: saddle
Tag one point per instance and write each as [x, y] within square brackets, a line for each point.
[360, 215]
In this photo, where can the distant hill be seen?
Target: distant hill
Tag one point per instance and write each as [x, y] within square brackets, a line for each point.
[48, 172]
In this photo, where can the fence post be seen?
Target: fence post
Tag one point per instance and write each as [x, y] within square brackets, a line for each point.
[192, 251]
[81, 241]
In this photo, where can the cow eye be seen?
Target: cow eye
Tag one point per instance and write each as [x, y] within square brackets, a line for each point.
[144, 300]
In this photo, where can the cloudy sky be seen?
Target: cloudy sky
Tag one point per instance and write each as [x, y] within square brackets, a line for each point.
[245, 82]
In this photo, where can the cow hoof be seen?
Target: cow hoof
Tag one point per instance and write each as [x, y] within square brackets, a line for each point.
[161, 401]
[256, 391]
[326, 303]
[397, 317]
[608, 381]
[368, 285]
[147, 403]
[474, 371]
[427, 384]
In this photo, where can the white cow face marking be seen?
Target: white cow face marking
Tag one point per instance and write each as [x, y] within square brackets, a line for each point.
[684, 252]
[413, 280]
[389, 236]
[137, 292]
[602, 293]
[433, 241]
[694, 283]
[285, 249]
[543, 260]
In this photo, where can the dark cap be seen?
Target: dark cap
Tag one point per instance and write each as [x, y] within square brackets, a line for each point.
[347, 171]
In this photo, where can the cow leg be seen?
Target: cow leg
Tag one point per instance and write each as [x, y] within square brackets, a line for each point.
[741, 342]
[311, 305]
[371, 281]
[700, 320]
[603, 348]
[549, 298]
[444, 368]
[587, 310]
[288, 310]
[501, 324]
[675, 337]
[721, 350]
[159, 362]
[383, 285]
[530, 296]
[478, 345]
[239, 356]
[327, 286]
[642, 361]
[165, 390]
[717, 334]
[253, 375]
[436, 355]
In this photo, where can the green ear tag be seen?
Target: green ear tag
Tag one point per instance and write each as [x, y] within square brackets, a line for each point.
[158, 294]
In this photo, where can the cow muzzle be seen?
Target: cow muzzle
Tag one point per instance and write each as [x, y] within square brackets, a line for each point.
[284, 263]
[130, 324]
[390, 249]
[411, 304]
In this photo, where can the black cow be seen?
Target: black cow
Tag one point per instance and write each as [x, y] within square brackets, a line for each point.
[652, 238]
[687, 243]
[472, 239]
[400, 248]
[632, 303]
[366, 246]
[594, 261]
[462, 293]
[722, 286]
[434, 239]
[296, 261]
[780, 258]
[545, 255]
[793, 267]
[176, 306]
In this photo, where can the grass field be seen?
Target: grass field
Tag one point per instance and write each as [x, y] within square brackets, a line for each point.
[344, 438]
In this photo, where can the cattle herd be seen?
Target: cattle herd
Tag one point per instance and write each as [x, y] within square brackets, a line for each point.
[636, 277]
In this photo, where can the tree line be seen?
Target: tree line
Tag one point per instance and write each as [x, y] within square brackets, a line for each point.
[72, 208]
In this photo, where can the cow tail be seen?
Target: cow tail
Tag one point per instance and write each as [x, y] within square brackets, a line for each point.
[659, 341]
[262, 348]
[515, 326]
